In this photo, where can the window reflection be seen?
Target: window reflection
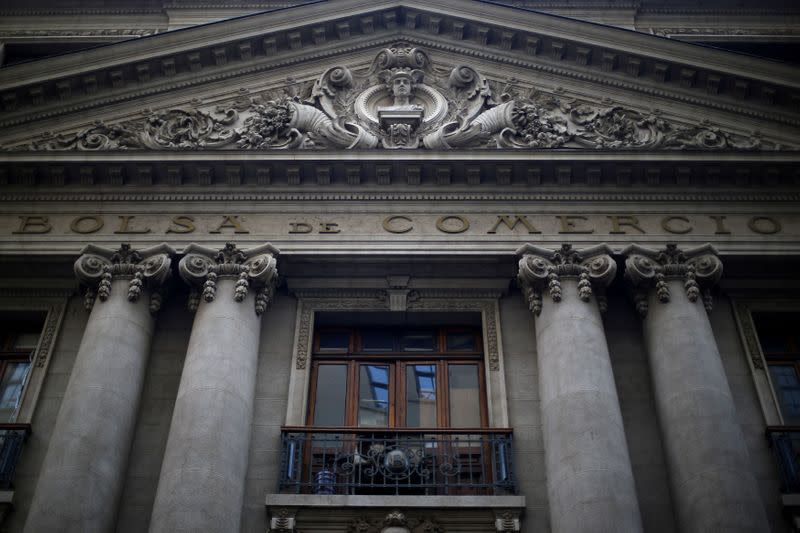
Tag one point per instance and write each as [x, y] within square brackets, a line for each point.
[11, 388]
[329, 408]
[787, 385]
[421, 396]
[465, 407]
[418, 341]
[373, 396]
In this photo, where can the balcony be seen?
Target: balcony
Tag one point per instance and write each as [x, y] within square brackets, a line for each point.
[785, 444]
[12, 438]
[400, 462]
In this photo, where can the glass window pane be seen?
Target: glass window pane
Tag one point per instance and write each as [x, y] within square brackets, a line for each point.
[11, 389]
[465, 406]
[334, 341]
[26, 341]
[772, 343]
[373, 396]
[421, 396]
[787, 389]
[329, 407]
[418, 341]
[461, 342]
[377, 341]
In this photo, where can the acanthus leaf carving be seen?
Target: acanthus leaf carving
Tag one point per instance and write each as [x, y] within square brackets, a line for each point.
[401, 101]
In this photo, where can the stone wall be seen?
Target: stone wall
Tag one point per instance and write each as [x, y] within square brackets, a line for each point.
[44, 417]
[524, 413]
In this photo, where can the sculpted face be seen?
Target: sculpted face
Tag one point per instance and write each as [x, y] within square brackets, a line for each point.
[401, 86]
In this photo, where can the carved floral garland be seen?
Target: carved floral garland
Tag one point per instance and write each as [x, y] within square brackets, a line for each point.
[459, 110]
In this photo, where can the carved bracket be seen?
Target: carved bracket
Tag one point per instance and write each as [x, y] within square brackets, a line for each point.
[98, 265]
[542, 269]
[646, 268]
[282, 520]
[255, 269]
[507, 521]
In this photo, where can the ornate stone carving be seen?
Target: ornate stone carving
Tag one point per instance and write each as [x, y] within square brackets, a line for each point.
[749, 334]
[255, 269]
[646, 268]
[45, 346]
[97, 266]
[506, 521]
[395, 522]
[541, 268]
[282, 520]
[401, 101]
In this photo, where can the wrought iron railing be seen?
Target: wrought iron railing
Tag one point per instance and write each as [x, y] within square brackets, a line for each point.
[397, 461]
[12, 438]
[785, 444]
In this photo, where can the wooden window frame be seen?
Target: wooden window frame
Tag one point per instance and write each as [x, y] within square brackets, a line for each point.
[783, 358]
[398, 361]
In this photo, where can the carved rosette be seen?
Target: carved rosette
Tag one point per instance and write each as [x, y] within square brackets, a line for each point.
[541, 270]
[148, 268]
[254, 269]
[646, 268]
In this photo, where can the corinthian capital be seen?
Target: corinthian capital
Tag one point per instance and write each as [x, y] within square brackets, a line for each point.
[150, 267]
[542, 268]
[254, 268]
[646, 268]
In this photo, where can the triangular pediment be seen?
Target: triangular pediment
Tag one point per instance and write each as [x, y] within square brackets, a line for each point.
[321, 76]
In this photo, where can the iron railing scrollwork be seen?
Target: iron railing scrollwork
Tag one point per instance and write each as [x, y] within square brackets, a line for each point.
[12, 439]
[419, 461]
[785, 444]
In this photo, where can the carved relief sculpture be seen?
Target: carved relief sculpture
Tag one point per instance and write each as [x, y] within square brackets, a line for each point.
[255, 269]
[700, 268]
[401, 101]
[541, 269]
[98, 265]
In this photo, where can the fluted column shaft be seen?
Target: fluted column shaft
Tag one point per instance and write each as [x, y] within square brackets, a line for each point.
[82, 475]
[201, 486]
[589, 477]
[712, 484]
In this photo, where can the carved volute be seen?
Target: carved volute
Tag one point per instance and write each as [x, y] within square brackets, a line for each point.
[542, 269]
[255, 268]
[645, 268]
[98, 266]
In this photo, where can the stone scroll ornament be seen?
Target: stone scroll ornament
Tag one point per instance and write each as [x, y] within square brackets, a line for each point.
[255, 268]
[699, 268]
[541, 271]
[150, 267]
[403, 100]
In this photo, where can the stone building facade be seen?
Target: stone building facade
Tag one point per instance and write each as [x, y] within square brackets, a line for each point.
[399, 266]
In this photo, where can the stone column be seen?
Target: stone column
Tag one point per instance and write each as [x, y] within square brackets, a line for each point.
[201, 486]
[712, 483]
[83, 471]
[590, 483]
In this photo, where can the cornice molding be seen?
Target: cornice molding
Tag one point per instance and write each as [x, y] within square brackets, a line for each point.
[405, 197]
[478, 173]
[592, 54]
